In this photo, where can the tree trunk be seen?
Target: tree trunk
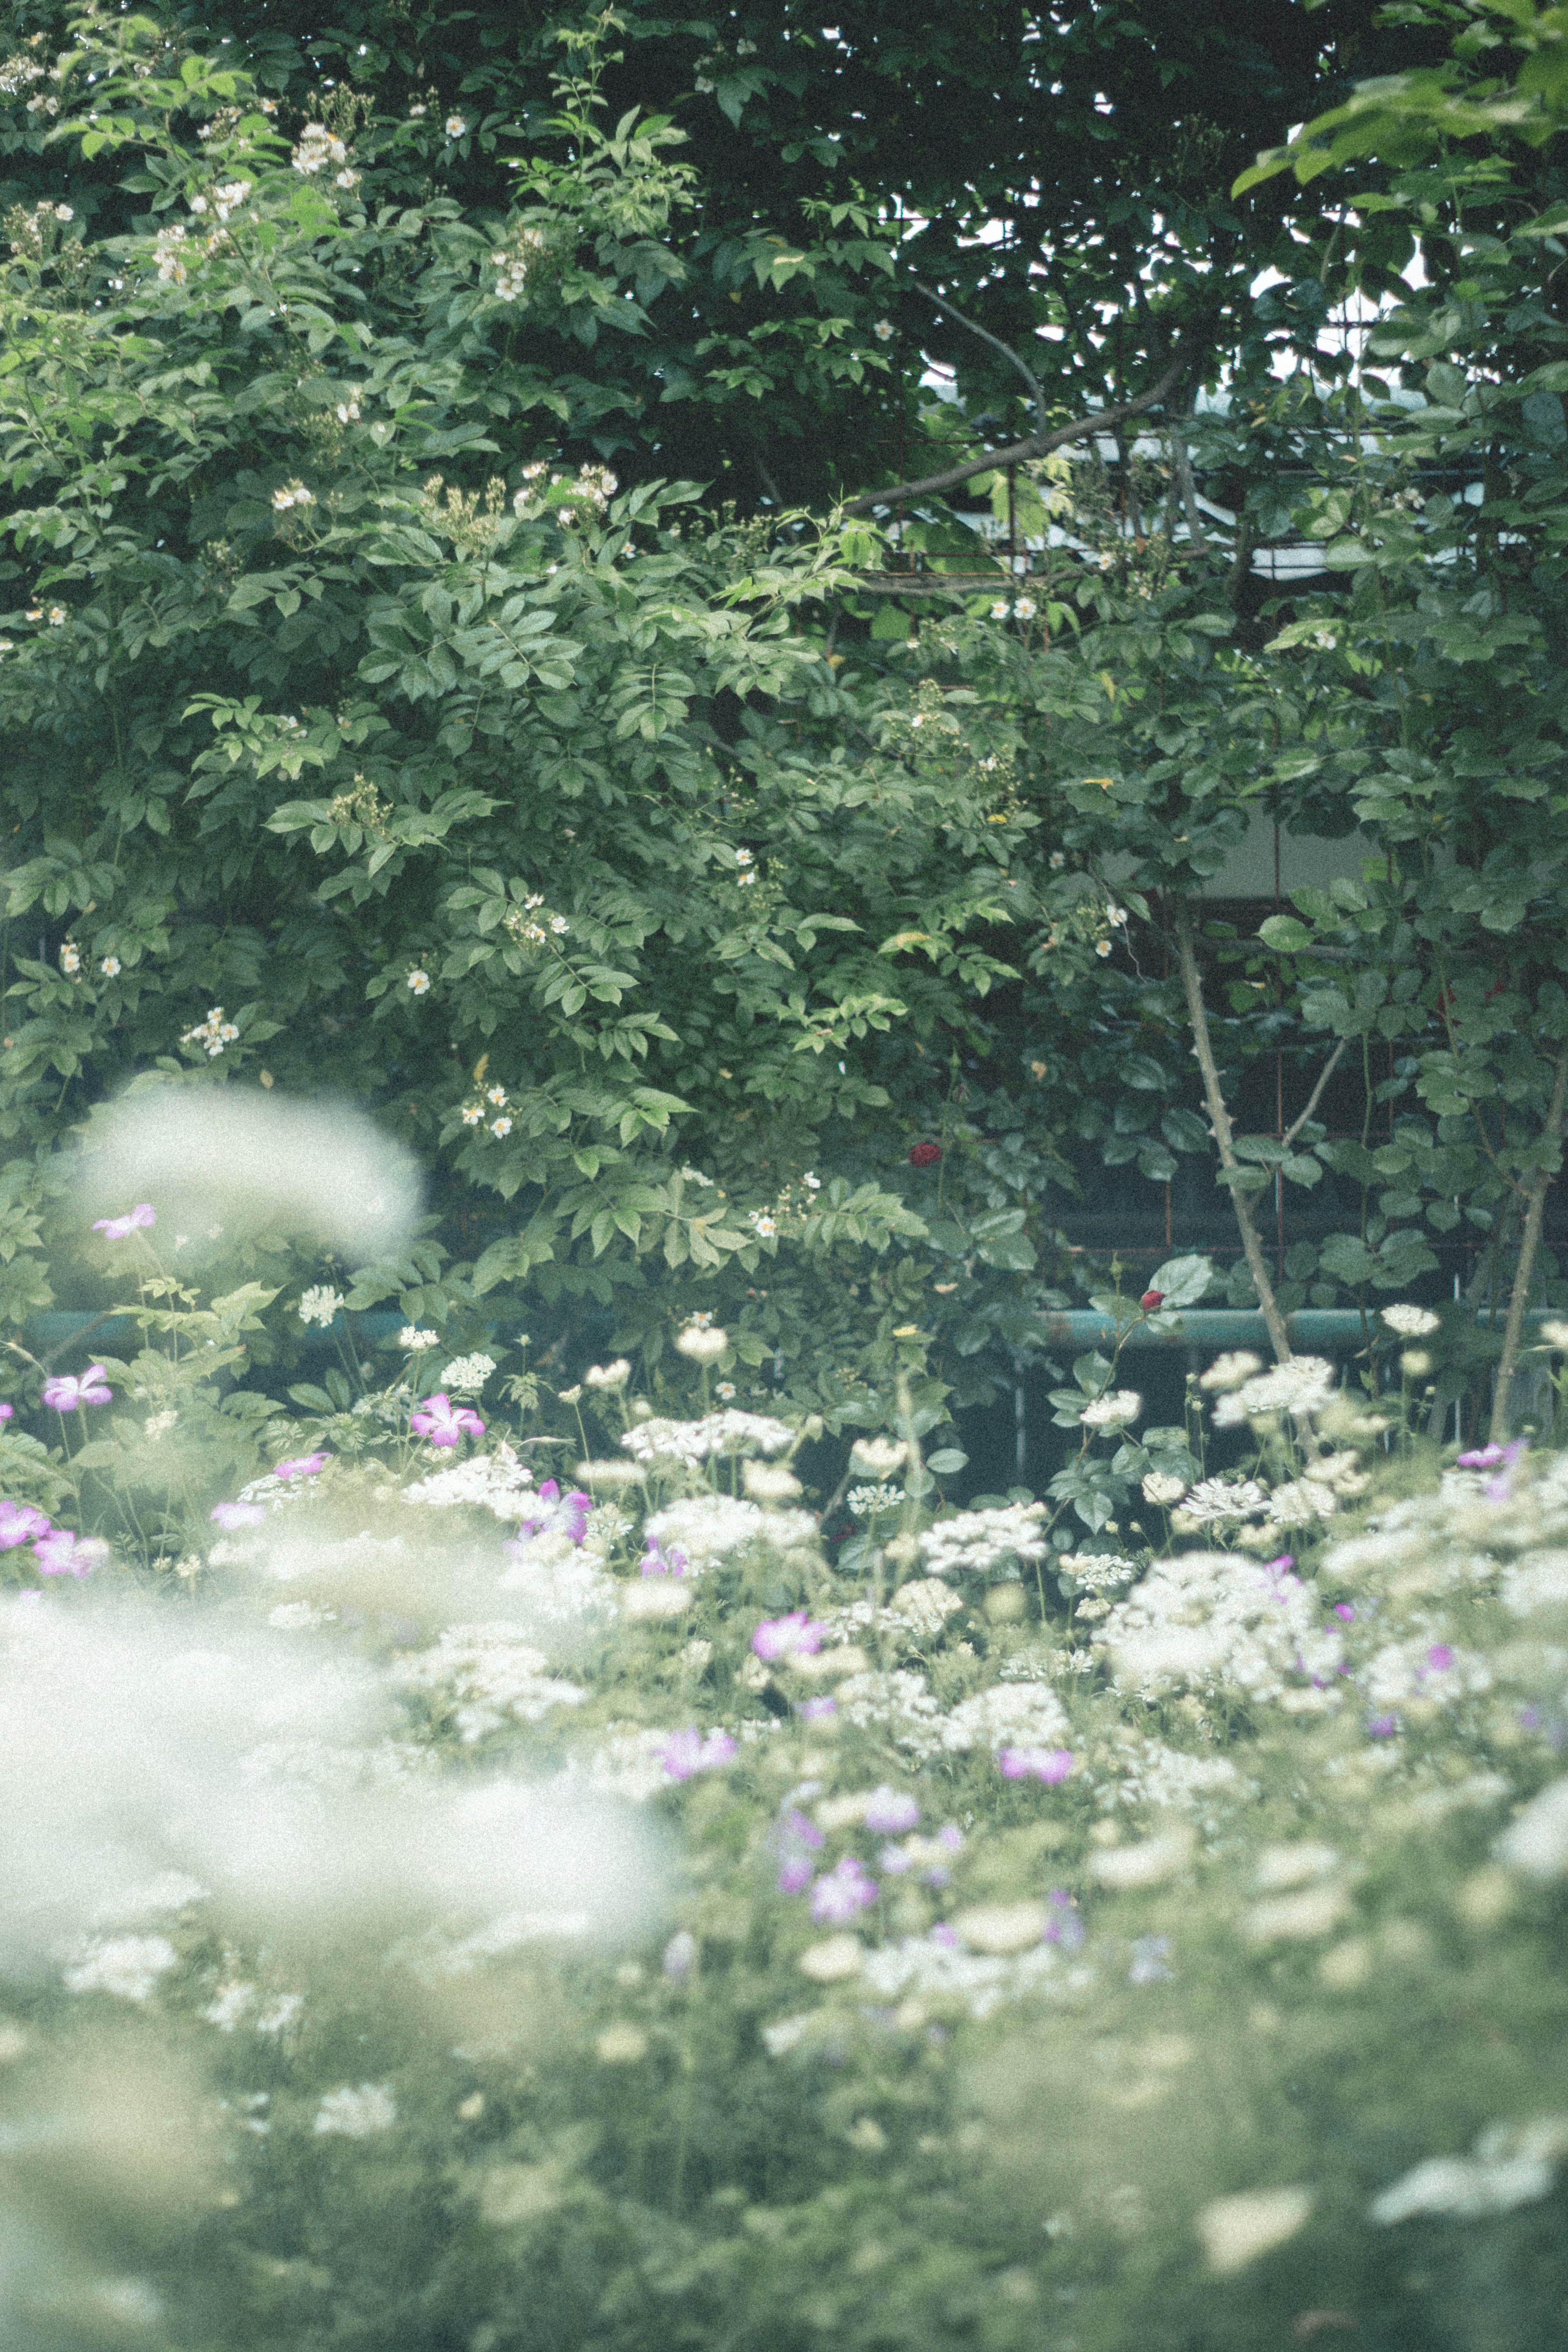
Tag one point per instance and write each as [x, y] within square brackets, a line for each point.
[1219, 1119]
[1530, 1243]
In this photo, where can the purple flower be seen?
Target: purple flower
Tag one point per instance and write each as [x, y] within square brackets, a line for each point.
[655, 1562]
[120, 1228]
[1489, 1457]
[951, 1836]
[20, 1523]
[680, 1954]
[1382, 1727]
[1440, 1657]
[1063, 1924]
[685, 1752]
[842, 1892]
[1346, 1609]
[237, 1514]
[798, 1839]
[893, 1861]
[555, 1513]
[1286, 1560]
[796, 1874]
[945, 1935]
[60, 1553]
[69, 1391]
[6, 1410]
[300, 1465]
[443, 1422]
[1048, 1764]
[796, 1635]
[890, 1810]
[817, 1710]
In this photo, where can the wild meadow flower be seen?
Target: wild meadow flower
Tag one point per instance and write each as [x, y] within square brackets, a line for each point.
[890, 1811]
[301, 1465]
[548, 1511]
[608, 1376]
[703, 1341]
[119, 1229]
[466, 1375]
[415, 1340]
[20, 1523]
[1049, 1765]
[60, 1553]
[1411, 1322]
[688, 1752]
[321, 1303]
[230, 1516]
[1113, 1411]
[67, 1392]
[842, 1892]
[793, 1636]
[442, 1422]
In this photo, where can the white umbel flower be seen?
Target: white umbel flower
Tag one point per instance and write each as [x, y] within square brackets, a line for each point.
[1412, 1322]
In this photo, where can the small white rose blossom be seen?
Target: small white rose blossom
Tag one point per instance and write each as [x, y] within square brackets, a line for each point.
[1113, 1411]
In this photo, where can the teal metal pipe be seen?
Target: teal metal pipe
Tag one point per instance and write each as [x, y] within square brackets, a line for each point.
[1315, 1330]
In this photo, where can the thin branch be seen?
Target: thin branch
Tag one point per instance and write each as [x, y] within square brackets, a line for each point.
[1017, 453]
[1315, 1097]
[1036, 390]
[1529, 1242]
[1219, 1119]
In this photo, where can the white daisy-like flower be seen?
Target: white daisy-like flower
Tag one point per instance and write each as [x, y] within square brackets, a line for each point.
[883, 331]
[1112, 1411]
[1411, 1322]
[1215, 1500]
[419, 981]
[455, 126]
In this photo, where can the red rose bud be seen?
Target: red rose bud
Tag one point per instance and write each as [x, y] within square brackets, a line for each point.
[1151, 1299]
[924, 1154]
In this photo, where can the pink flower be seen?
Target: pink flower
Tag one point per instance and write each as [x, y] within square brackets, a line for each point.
[685, 1752]
[6, 1410]
[555, 1513]
[67, 1390]
[119, 1229]
[19, 1524]
[817, 1710]
[298, 1466]
[443, 1422]
[787, 1637]
[1048, 1764]
[842, 1892]
[237, 1514]
[1440, 1657]
[890, 1810]
[657, 1562]
[60, 1553]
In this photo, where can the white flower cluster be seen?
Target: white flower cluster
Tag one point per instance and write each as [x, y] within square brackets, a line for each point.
[1096, 1572]
[916, 1969]
[1511, 2165]
[582, 498]
[1211, 1620]
[863, 1502]
[495, 1482]
[1421, 1666]
[466, 1375]
[126, 1967]
[1009, 1715]
[712, 1527]
[1112, 1411]
[169, 255]
[212, 1034]
[19, 73]
[1146, 1774]
[925, 1604]
[321, 1303]
[292, 495]
[975, 1542]
[715, 1435]
[1301, 1387]
[897, 1704]
[489, 1674]
[416, 1340]
[319, 151]
[1412, 1322]
[515, 262]
[1215, 1501]
[351, 2114]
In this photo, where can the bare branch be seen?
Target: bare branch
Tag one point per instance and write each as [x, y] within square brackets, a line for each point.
[1326, 1072]
[1039, 445]
[1036, 391]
